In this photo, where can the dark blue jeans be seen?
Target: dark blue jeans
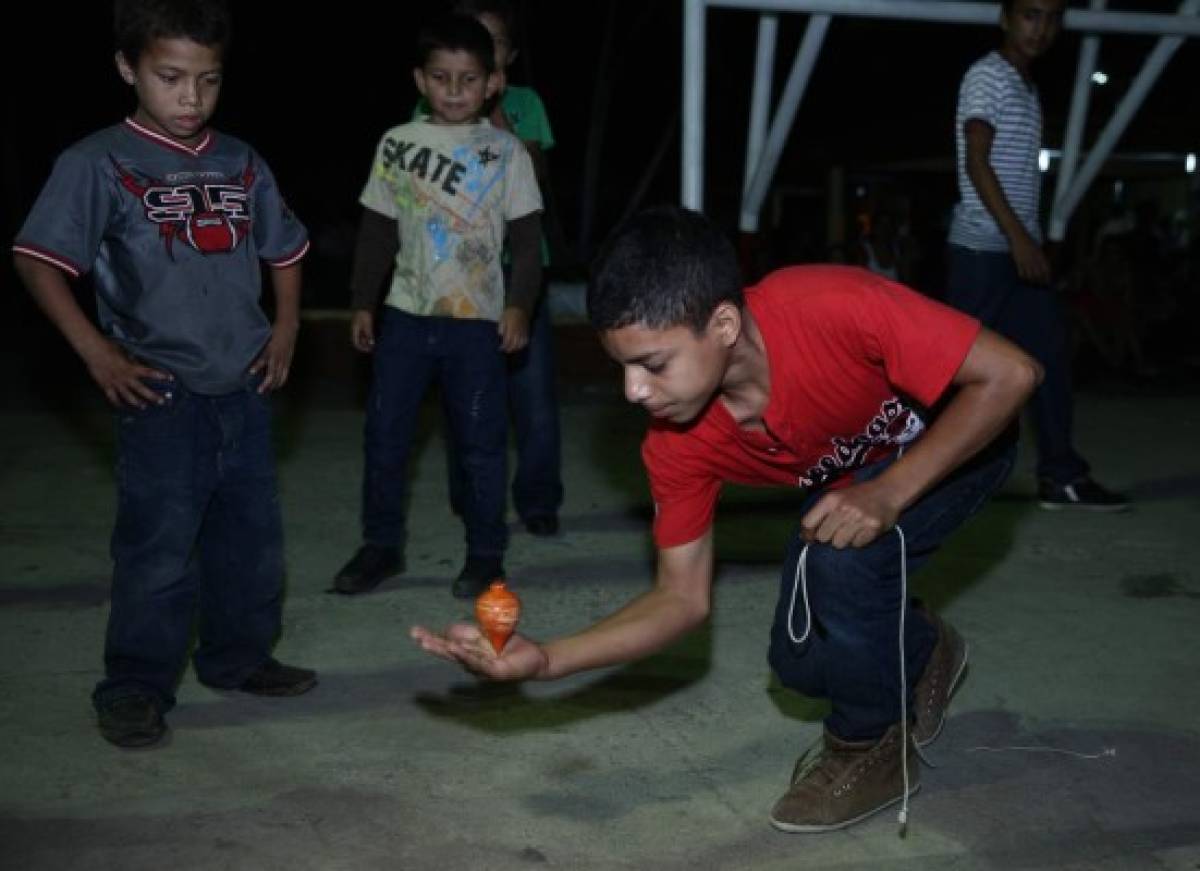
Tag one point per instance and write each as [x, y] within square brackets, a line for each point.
[464, 357]
[198, 525]
[986, 285]
[537, 488]
[851, 656]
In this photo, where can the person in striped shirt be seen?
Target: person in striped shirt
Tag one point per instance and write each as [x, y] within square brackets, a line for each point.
[998, 271]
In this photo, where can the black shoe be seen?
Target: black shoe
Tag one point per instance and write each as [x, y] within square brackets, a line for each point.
[476, 575]
[131, 721]
[273, 678]
[1084, 494]
[542, 525]
[367, 569]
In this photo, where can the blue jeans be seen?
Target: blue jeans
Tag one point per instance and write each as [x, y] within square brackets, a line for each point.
[537, 488]
[985, 285]
[851, 656]
[465, 358]
[198, 524]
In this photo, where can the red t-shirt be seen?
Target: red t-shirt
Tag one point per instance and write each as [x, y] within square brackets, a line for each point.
[854, 358]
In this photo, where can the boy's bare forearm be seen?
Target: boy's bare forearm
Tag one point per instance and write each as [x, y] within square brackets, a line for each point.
[286, 283]
[979, 138]
[678, 602]
[994, 382]
[52, 293]
[987, 185]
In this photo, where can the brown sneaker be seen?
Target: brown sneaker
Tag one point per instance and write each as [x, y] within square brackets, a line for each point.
[837, 783]
[943, 673]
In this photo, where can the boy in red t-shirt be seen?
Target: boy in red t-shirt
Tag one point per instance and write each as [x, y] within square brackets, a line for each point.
[820, 378]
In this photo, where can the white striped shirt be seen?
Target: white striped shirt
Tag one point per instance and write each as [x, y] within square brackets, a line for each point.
[993, 91]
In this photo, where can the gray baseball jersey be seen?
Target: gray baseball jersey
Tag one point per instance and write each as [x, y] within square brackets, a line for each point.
[173, 235]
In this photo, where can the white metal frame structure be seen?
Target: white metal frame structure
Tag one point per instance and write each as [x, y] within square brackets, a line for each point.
[767, 136]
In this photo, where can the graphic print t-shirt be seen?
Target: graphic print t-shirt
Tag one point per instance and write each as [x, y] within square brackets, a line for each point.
[451, 188]
[173, 235]
[855, 360]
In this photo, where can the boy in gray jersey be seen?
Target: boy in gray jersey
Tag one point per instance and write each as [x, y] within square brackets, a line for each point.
[998, 271]
[172, 219]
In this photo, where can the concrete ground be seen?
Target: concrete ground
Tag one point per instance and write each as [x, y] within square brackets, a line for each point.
[1073, 744]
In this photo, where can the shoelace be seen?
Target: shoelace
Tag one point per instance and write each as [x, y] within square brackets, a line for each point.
[800, 582]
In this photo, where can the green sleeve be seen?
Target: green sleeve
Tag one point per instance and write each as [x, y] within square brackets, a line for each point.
[530, 122]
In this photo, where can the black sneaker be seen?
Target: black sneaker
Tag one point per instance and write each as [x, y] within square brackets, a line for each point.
[367, 569]
[131, 721]
[1083, 494]
[542, 525]
[475, 577]
[273, 678]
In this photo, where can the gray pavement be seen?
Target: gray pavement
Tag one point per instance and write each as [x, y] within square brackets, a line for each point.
[1073, 744]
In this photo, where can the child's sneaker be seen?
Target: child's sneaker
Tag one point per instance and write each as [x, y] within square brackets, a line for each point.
[836, 783]
[131, 721]
[368, 568]
[273, 678]
[476, 575]
[1084, 494]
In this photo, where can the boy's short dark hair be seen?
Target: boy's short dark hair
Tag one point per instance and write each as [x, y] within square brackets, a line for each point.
[666, 267]
[502, 9]
[454, 32]
[136, 23]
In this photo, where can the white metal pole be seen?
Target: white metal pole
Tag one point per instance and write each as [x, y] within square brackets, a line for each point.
[781, 126]
[692, 183]
[760, 97]
[967, 12]
[1075, 123]
[1130, 103]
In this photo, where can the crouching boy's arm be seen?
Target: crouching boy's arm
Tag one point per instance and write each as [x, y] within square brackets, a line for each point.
[121, 378]
[521, 294]
[679, 601]
[993, 382]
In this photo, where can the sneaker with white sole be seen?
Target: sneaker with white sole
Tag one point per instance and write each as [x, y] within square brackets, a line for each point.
[1082, 495]
[837, 783]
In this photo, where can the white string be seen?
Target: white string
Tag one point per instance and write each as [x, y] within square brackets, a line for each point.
[801, 579]
[800, 582]
[1107, 751]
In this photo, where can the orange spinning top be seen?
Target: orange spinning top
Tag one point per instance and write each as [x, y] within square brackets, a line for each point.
[497, 609]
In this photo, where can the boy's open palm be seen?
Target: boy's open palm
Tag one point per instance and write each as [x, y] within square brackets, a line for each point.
[464, 644]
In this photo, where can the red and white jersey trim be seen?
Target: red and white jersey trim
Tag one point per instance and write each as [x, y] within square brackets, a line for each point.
[194, 150]
[289, 260]
[49, 257]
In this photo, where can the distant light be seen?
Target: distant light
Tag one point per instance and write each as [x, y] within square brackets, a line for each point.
[1044, 159]
[1118, 189]
[1100, 78]
[1189, 162]
[860, 191]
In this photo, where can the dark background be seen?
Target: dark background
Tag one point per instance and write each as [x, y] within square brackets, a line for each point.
[312, 86]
